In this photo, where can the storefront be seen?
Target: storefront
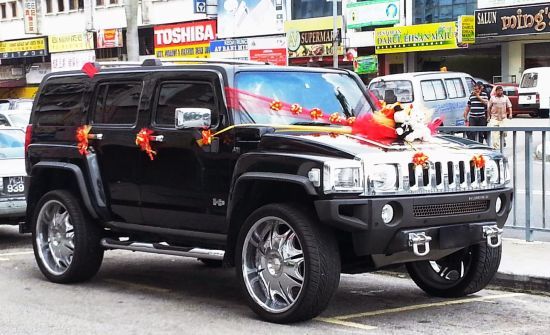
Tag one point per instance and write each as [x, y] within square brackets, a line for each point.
[185, 40]
[71, 51]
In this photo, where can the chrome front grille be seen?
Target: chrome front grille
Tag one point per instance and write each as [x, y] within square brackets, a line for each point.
[457, 208]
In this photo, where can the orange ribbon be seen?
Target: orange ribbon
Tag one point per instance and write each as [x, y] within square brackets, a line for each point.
[82, 139]
[276, 105]
[335, 118]
[296, 109]
[316, 113]
[143, 141]
[206, 137]
[479, 161]
[420, 159]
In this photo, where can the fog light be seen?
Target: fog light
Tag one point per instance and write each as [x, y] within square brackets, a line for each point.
[387, 213]
[498, 205]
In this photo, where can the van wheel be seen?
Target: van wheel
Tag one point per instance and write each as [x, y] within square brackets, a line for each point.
[534, 114]
[288, 265]
[66, 242]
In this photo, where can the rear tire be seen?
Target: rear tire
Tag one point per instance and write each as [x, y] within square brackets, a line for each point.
[288, 265]
[66, 242]
[465, 272]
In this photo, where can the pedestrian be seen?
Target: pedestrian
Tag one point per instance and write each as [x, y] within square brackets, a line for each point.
[476, 112]
[499, 108]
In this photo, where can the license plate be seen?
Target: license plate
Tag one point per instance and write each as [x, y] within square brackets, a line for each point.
[526, 99]
[15, 185]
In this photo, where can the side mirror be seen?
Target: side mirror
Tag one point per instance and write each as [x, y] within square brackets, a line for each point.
[193, 118]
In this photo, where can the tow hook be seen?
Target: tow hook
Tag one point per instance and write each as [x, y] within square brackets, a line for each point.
[491, 233]
[419, 239]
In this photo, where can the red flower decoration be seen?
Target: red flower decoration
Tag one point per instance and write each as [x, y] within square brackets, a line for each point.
[316, 113]
[296, 109]
[143, 141]
[479, 161]
[335, 118]
[420, 159]
[82, 139]
[351, 120]
[90, 69]
[276, 105]
[206, 137]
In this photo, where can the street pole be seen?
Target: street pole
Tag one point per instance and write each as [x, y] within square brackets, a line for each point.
[335, 34]
[132, 40]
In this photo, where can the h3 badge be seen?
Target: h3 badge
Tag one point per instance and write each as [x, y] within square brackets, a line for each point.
[218, 202]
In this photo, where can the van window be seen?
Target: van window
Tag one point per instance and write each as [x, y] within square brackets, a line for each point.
[433, 90]
[529, 80]
[455, 88]
[470, 83]
[117, 103]
[188, 95]
[392, 91]
[60, 105]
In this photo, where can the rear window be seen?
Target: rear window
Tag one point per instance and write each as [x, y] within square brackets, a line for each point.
[455, 88]
[433, 90]
[392, 91]
[529, 80]
[60, 104]
[117, 103]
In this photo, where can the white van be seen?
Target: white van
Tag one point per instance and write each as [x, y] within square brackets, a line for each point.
[533, 94]
[446, 93]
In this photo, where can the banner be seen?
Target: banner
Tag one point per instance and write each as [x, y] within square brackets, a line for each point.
[271, 50]
[30, 16]
[190, 39]
[229, 49]
[240, 18]
[366, 64]
[466, 29]
[67, 61]
[311, 37]
[23, 48]
[372, 13]
[71, 42]
[109, 38]
[504, 3]
[534, 19]
[422, 37]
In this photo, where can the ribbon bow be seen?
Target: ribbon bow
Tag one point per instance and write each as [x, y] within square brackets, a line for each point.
[143, 141]
[479, 161]
[82, 139]
[420, 159]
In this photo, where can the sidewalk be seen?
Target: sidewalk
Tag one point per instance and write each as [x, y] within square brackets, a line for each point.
[524, 265]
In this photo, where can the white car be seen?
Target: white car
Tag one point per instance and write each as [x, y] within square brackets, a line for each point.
[534, 92]
[12, 171]
[15, 118]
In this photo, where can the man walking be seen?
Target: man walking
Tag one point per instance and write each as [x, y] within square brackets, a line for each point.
[498, 108]
[476, 111]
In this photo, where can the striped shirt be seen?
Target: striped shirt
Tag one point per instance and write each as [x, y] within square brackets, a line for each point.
[478, 108]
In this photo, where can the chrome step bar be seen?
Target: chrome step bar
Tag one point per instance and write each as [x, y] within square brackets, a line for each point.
[162, 249]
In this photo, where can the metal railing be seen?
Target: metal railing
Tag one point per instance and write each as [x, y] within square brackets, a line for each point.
[532, 217]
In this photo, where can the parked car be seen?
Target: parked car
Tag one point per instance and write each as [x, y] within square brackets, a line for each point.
[16, 104]
[512, 91]
[228, 160]
[12, 171]
[534, 93]
[15, 118]
[445, 93]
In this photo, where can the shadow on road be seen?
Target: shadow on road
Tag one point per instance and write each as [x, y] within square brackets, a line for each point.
[11, 239]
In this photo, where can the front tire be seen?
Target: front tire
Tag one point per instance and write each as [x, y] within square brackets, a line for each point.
[66, 242]
[465, 272]
[288, 265]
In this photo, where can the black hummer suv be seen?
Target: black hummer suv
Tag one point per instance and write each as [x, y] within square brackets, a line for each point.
[220, 178]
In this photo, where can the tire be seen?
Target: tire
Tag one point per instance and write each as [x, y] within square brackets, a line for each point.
[462, 273]
[211, 263]
[70, 227]
[305, 249]
[534, 114]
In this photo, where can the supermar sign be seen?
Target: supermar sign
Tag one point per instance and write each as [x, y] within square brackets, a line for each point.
[189, 39]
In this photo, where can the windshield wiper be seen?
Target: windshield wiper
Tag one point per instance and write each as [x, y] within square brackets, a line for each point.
[310, 123]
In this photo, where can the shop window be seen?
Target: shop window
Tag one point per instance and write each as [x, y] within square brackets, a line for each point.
[455, 88]
[3, 11]
[433, 90]
[307, 9]
[99, 3]
[429, 11]
[49, 6]
[14, 12]
[76, 4]
[60, 5]
[114, 2]
[117, 103]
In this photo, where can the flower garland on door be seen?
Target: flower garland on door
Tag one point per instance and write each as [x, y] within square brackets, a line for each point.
[82, 137]
[143, 141]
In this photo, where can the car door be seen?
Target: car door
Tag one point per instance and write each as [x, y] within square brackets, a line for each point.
[114, 116]
[186, 185]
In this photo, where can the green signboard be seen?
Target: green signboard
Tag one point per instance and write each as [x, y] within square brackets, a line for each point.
[366, 64]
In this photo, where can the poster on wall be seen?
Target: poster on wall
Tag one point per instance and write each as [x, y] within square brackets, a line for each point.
[466, 29]
[30, 16]
[109, 38]
[67, 61]
[270, 50]
[372, 13]
[189, 39]
[242, 18]
[229, 49]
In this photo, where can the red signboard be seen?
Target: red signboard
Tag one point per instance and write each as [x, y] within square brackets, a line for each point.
[189, 39]
[272, 56]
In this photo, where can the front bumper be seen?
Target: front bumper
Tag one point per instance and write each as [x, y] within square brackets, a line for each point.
[13, 208]
[453, 220]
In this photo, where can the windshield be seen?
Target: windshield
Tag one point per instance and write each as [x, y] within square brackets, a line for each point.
[26, 105]
[20, 119]
[11, 144]
[329, 92]
[392, 91]
[529, 80]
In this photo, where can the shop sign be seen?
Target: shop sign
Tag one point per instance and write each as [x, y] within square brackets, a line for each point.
[67, 61]
[71, 42]
[251, 18]
[372, 13]
[30, 16]
[271, 50]
[534, 19]
[504, 3]
[229, 49]
[422, 37]
[311, 37]
[466, 29]
[23, 48]
[366, 64]
[190, 39]
[109, 38]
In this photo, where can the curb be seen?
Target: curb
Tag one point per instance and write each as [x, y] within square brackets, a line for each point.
[521, 282]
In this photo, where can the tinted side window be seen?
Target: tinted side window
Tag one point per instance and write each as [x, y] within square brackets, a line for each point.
[60, 104]
[455, 88]
[471, 83]
[179, 94]
[433, 90]
[117, 103]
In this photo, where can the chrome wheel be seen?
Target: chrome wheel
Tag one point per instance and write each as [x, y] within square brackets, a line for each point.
[55, 237]
[273, 264]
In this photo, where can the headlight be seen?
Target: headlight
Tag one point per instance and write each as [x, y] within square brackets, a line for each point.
[343, 176]
[383, 178]
[491, 172]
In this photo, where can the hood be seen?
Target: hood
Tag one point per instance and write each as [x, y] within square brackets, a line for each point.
[12, 167]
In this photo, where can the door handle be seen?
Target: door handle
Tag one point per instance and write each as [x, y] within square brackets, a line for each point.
[95, 137]
[157, 138]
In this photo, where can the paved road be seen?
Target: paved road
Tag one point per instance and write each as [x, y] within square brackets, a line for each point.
[148, 294]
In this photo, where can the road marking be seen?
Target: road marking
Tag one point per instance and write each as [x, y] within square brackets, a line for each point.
[422, 306]
[20, 253]
[4, 259]
[137, 286]
[346, 323]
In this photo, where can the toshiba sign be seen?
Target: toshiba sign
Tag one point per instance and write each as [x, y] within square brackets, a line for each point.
[190, 39]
